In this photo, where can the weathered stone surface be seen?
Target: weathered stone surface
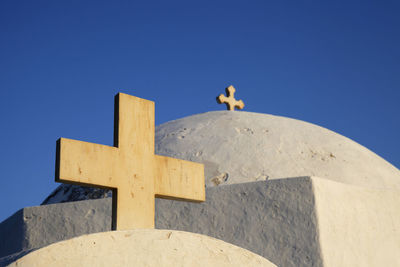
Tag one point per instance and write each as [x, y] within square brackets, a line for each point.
[240, 147]
[142, 247]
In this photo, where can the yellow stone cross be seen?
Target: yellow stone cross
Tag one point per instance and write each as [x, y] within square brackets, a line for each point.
[130, 167]
[229, 99]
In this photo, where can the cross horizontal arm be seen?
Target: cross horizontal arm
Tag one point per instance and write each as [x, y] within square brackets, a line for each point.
[86, 163]
[239, 104]
[179, 179]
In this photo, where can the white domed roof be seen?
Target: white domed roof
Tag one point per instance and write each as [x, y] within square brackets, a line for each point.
[238, 147]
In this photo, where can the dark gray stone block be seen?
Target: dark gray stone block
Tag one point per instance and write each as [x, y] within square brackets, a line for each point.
[35, 227]
[12, 234]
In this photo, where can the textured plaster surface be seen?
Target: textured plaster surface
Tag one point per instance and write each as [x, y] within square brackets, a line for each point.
[35, 227]
[306, 221]
[142, 248]
[239, 147]
[242, 146]
[275, 219]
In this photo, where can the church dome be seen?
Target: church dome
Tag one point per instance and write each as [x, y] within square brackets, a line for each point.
[239, 147]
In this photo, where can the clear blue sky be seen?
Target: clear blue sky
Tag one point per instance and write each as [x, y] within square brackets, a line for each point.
[332, 63]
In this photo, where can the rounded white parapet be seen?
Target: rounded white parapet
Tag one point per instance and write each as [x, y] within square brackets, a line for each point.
[142, 247]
